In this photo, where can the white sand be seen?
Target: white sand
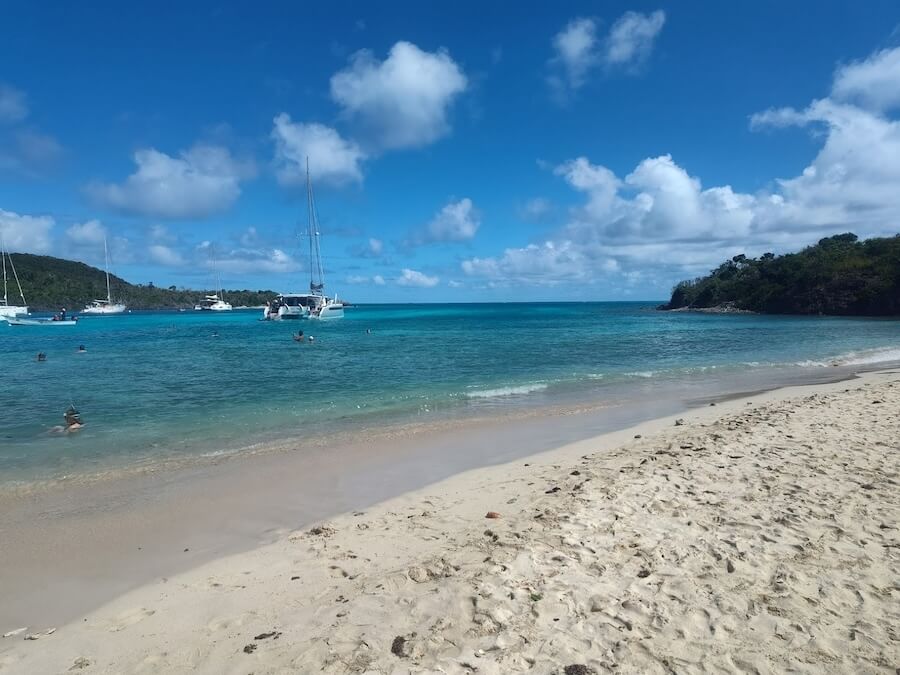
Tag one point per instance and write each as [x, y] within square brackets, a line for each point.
[754, 538]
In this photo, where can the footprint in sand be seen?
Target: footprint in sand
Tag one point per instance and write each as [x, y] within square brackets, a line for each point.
[129, 618]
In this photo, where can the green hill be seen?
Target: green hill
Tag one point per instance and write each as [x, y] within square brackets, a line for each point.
[50, 283]
[840, 275]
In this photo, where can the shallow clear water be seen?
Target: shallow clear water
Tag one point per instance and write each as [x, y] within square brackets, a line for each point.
[169, 384]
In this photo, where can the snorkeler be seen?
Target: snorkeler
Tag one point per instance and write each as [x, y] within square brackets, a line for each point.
[73, 419]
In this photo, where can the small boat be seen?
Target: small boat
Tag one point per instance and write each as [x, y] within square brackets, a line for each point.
[315, 304]
[13, 321]
[8, 311]
[105, 306]
[215, 302]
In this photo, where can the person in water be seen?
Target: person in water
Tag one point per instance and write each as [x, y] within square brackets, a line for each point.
[73, 422]
[81, 349]
[299, 336]
[41, 356]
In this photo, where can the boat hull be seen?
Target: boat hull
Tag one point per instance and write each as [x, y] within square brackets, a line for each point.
[104, 310]
[40, 322]
[12, 311]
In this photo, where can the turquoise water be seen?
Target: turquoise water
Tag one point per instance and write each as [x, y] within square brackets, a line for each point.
[168, 385]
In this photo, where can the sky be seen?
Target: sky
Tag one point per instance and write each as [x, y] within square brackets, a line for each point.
[459, 151]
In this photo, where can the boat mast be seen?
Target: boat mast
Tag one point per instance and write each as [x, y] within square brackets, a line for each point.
[316, 271]
[216, 278]
[106, 257]
[3, 255]
[6, 254]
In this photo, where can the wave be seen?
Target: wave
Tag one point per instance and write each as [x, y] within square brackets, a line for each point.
[865, 357]
[507, 391]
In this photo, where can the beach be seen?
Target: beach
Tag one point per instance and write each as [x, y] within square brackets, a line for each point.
[758, 534]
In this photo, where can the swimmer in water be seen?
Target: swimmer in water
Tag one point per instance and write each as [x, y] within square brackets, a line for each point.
[81, 349]
[73, 422]
[311, 338]
[41, 357]
[73, 419]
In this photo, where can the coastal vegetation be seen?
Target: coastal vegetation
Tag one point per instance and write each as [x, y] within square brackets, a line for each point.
[50, 283]
[839, 275]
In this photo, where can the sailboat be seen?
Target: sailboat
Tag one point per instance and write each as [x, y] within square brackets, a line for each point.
[216, 302]
[315, 304]
[8, 311]
[105, 306]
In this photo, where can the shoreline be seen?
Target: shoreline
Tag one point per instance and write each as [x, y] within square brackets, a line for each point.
[276, 538]
[119, 533]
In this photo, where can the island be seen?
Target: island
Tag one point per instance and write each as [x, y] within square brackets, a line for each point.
[839, 275]
[49, 283]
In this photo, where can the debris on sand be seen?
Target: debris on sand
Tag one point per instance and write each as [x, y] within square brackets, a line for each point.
[492, 514]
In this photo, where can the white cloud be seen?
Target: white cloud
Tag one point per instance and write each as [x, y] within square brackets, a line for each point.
[90, 233]
[660, 220]
[873, 83]
[359, 279]
[546, 264]
[456, 221]
[245, 260]
[402, 101]
[201, 181]
[13, 104]
[575, 47]
[578, 50]
[410, 277]
[165, 255]
[332, 159]
[26, 234]
[631, 38]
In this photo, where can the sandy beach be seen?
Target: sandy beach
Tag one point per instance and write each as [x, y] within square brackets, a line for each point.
[758, 535]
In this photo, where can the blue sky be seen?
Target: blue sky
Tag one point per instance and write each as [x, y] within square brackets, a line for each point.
[467, 152]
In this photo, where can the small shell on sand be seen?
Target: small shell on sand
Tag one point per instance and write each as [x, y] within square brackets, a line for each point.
[492, 514]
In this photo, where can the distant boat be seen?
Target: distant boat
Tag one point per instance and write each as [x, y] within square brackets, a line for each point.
[215, 302]
[42, 322]
[315, 304]
[8, 311]
[105, 306]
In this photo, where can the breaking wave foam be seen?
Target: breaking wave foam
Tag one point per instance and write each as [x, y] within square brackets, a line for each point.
[506, 391]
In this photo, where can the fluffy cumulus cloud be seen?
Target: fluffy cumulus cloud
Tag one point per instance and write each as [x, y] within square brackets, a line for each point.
[332, 159]
[417, 279]
[13, 104]
[871, 82]
[26, 234]
[199, 182]
[578, 49]
[456, 221]
[403, 101]
[660, 217]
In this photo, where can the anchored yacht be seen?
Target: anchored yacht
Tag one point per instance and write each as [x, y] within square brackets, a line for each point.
[315, 304]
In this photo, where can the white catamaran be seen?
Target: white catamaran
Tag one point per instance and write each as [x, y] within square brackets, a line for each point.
[105, 306]
[216, 302]
[315, 304]
[8, 311]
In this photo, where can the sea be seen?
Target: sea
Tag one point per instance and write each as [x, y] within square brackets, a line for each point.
[159, 389]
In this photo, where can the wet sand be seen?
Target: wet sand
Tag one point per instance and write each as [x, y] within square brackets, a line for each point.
[752, 537]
